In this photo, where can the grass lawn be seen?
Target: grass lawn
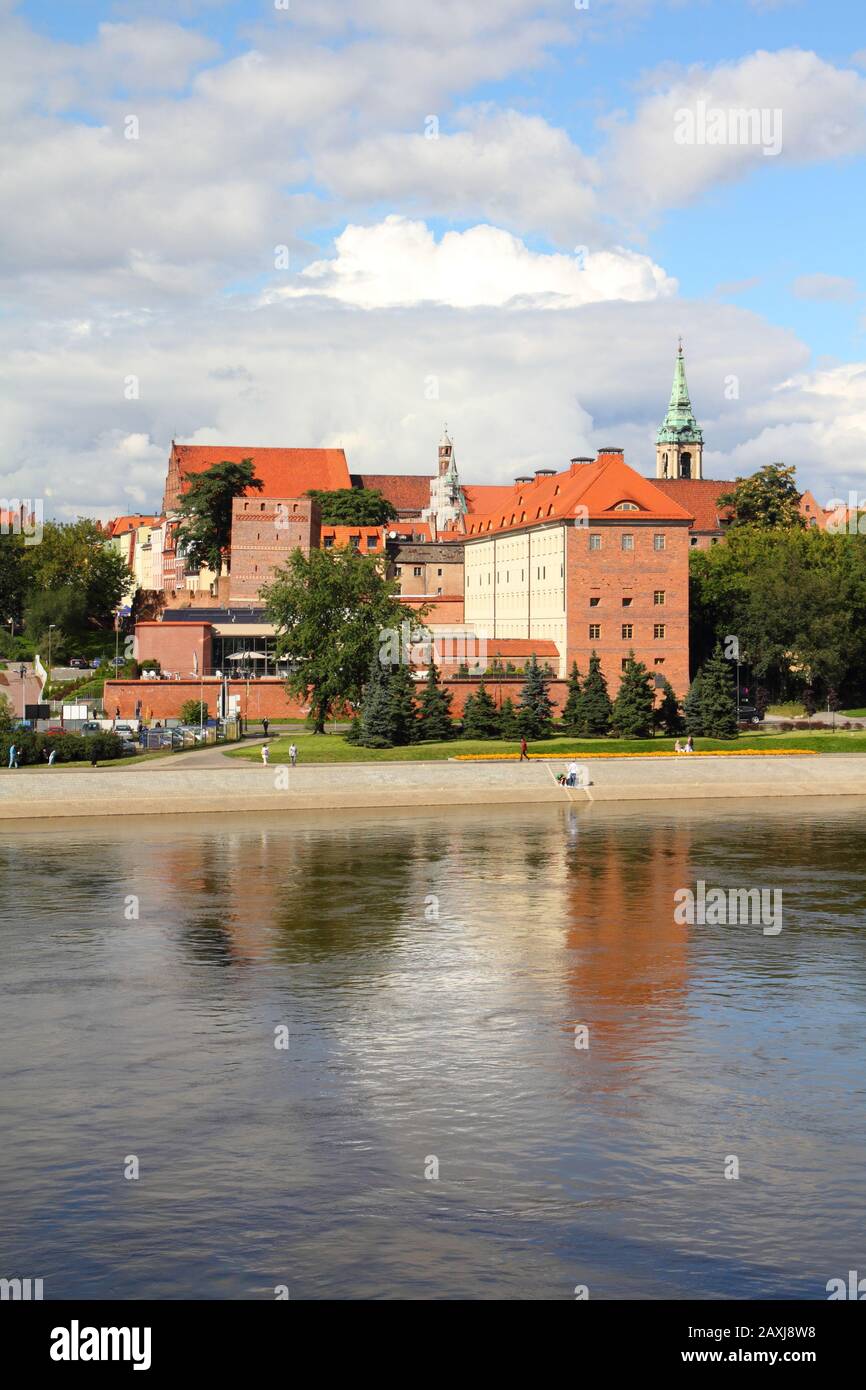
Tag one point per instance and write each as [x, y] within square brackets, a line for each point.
[333, 748]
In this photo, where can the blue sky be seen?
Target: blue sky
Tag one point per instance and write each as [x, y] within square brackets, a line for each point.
[450, 258]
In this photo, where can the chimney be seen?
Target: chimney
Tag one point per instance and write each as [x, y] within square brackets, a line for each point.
[583, 458]
[610, 449]
[545, 472]
[524, 478]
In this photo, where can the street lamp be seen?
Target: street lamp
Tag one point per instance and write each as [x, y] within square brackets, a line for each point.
[22, 671]
[51, 627]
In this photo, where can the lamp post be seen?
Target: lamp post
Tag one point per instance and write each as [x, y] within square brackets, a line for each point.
[51, 627]
[22, 671]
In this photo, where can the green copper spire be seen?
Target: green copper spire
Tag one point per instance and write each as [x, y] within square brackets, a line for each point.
[679, 425]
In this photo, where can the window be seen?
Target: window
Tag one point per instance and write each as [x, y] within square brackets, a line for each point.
[417, 571]
[371, 542]
[626, 507]
[329, 541]
[398, 570]
[694, 540]
[658, 630]
[438, 591]
[659, 598]
[659, 661]
[625, 663]
[594, 600]
[439, 573]
[594, 632]
[627, 542]
[595, 542]
[627, 632]
[627, 602]
[659, 541]
[714, 541]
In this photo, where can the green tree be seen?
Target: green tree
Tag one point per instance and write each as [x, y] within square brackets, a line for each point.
[353, 506]
[718, 697]
[330, 609]
[535, 707]
[434, 722]
[595, 706]
[6, 715]
[693, 707]
[480, 715]
[668, 715]
[768, 499]
[509, 724]
[205, 528]
[632, 714]
[376, 725]
[13, 578]
[73, 579]
[572, 711]
[194, 712]
[402, 709]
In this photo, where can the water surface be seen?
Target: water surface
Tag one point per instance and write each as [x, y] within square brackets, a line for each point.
[431, 970]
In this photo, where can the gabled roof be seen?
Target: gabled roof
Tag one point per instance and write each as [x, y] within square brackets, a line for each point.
[699, 497]
[342, 536]
[122, 525]
[284, 472]
[407, 492]
[591, 491]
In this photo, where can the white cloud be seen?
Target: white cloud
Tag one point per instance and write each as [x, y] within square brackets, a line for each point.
[399, 262]
[823, 117]
[513, 169]
[829, 288]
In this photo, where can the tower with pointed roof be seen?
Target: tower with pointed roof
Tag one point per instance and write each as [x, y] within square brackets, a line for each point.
[447, 502]
[680, 441]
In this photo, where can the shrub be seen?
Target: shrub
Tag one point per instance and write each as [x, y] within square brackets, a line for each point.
[193, 712]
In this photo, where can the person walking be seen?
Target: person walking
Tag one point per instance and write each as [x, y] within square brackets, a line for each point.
[293, 754]
[266, 754]
[13, 755]
[94, 754]
[51, 757]
[524, 756]
[572, 775]
[265, 726]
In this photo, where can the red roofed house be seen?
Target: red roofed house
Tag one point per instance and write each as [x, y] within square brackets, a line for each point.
[592, 559]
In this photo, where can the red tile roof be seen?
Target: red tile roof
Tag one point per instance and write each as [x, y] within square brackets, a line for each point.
[284, 472]
[698, 496]
[122, 525]
[341, 536]
[406, 492]
[592, 491]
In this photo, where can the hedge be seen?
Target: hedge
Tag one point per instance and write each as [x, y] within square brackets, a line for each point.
[71, 748]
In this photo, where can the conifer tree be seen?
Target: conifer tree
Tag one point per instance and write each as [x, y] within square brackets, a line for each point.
[667, 714]
[376, 728]
[434, 723]
[571, 712]
[632, 715]
[692, 707]
[401, 706]
[480, 715]
[535, 707]
[718, 697]
[509, 726]
[595, 706]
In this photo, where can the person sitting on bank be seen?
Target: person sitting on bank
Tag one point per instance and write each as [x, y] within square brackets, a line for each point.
[678, 747]
[690, 745]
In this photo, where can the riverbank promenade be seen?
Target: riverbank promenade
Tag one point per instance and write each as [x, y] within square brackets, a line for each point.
[166, 788]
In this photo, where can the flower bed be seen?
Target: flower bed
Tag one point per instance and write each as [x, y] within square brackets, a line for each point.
[662, 753]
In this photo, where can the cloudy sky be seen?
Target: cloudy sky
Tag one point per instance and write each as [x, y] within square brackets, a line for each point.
[324, 222]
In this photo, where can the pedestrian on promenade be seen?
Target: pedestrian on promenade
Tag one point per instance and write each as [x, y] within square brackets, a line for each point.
[13, 755]
[524, 756]
[265, 725]
[51, 757]
[94, 755]
[266, 753]
[293, 755]
[572, 775]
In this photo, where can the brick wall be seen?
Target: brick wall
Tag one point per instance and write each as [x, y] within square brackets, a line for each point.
[264, 533]
[611, 575]
[174, 645]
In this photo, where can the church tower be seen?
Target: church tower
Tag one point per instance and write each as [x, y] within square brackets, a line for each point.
[447, 502]
[680, 441]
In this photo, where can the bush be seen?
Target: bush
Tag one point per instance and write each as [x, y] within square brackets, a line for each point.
[193, 712]
[70, 748]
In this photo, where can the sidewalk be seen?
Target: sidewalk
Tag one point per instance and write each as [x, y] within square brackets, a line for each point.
[164, 787]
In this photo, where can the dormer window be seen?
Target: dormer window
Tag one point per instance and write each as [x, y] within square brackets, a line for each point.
[626, 507]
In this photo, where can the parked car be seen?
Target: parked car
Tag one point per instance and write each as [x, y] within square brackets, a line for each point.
[97, 661]
[750, 714]
[91, 726]
[124, 730]
[79, 662]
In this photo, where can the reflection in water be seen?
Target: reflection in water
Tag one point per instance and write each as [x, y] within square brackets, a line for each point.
[431, 971]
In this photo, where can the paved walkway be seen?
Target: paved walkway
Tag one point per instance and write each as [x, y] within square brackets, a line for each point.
[165, 787]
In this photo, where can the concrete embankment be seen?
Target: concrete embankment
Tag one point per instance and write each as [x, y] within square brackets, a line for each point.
[150, 790]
